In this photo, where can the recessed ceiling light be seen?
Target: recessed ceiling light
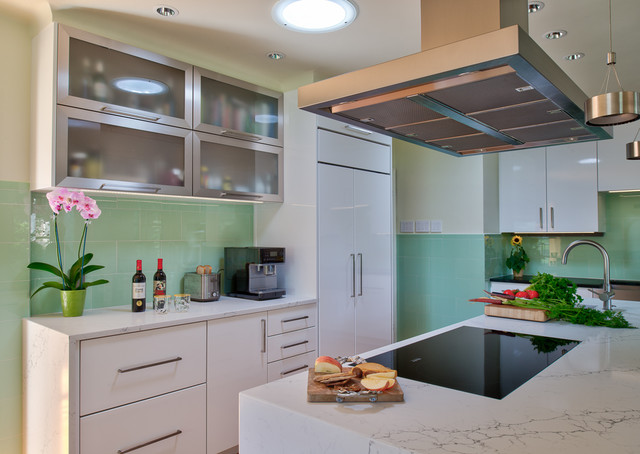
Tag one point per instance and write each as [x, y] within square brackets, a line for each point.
[555, 34]
[314, 16]
[576, 56]
[166, 11]
[535, 6]
[275, 55]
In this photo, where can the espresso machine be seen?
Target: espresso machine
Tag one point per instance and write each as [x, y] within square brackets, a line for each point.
[251, 272]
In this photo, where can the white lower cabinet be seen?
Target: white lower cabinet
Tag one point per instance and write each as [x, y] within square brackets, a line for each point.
[247, 351]
[173, 423]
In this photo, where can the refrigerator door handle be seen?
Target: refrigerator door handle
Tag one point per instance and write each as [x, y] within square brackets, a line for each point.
[360, 256]
[353, 275]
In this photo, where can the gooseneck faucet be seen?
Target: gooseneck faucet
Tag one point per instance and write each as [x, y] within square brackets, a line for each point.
[606, 294]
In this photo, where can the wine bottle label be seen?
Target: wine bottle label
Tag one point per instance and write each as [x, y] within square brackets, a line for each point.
[138, 290]
[159, 287]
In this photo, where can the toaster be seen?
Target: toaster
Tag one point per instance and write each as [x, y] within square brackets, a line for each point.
[202, 287]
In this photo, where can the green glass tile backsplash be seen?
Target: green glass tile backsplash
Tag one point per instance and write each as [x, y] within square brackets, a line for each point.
[184, 233]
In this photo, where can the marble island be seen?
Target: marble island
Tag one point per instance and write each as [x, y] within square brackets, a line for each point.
[586, 402]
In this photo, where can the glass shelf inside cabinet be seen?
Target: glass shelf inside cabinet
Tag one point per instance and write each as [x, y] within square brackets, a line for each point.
[108, 76]
[228, 106]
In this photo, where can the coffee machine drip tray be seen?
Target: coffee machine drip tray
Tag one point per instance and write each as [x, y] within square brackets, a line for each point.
[265, 294]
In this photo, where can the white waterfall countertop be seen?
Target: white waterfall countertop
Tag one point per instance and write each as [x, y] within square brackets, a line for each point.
[586, 402]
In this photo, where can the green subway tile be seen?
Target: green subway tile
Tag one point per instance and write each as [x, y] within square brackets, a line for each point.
[182, 256]
[116, 224]
[46, 301]
[14, 311]
[11, 378]
[193, 228]
[160, 225]
[138, 205]
[130, 251]
[14, 186]
[116, 293]
[11, 339]
[14, 196]
[14, 292]
[15, 260]
[16, 223]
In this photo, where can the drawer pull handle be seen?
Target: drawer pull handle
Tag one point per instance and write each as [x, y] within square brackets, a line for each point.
[240, 135]
[144, 366]
[150, 442]
[304, 317]
[294, 370]
[129, 114]
[295, 345]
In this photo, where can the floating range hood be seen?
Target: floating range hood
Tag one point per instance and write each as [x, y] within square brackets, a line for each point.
[467, 92]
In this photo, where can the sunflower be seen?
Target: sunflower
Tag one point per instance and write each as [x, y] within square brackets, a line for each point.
[516, 240]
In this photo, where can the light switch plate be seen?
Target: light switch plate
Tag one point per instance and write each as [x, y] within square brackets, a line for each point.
[406, 226]
[423, 226]
[436, 226]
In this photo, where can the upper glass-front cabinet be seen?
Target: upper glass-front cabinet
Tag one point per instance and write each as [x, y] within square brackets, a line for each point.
[99, 74]
[233, 108]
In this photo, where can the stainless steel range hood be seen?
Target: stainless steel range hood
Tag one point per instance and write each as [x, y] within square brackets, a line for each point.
[496, 91]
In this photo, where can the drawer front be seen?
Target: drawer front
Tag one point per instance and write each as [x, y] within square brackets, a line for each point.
[291, 319]
[117, 370]
[170, 424]
[291, 344]
[290, 366]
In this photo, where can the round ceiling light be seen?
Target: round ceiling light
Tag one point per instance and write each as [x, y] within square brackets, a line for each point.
[575, 56]
[314, 16]
[556, 34]
[535, 6]
[166, 11]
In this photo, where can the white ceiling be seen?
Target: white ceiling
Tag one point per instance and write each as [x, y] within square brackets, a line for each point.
[234, 36]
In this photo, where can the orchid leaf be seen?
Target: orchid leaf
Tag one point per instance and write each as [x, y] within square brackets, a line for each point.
[45, 267]
[98, 282]
[50, 284]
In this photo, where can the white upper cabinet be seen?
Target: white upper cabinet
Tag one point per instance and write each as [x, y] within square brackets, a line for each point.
[615, 171]
[550, 189]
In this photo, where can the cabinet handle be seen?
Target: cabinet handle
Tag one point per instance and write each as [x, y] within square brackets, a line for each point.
[145, 366]
[541, 214]
[150, 442]
[353, 275]
[360, 255]
[287, 372]
[240, 135]
[112, 187]
[304, 317]
[240, 194]
[553, 218]
[263, 324]
[129, 114]
[358, 130]
[295, 345]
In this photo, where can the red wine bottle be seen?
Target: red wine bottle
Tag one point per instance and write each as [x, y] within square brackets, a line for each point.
[159, 281]
[139, 290]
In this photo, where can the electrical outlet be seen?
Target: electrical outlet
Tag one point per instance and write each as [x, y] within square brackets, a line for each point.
[406, 226]
[423, 226]
[436, 226]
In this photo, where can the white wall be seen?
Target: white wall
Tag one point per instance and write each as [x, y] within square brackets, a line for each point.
[292, 224]
[15, 48]
[431, 185]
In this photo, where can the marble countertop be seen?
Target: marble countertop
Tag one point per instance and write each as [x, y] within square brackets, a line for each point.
[119, 319]
[586, 402]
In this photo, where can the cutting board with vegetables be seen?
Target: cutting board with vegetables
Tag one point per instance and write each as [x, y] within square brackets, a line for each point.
[351, 391]
[520, 313]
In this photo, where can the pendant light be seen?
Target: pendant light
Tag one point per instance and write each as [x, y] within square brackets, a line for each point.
[612, 108]
[633, 148]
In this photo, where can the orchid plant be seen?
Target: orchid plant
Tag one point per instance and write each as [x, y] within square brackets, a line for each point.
[62, 200]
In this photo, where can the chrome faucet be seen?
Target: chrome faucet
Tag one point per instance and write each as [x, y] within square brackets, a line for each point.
[606, 294]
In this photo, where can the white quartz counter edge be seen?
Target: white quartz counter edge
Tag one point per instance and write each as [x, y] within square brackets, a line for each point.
[586, 402]
[119, 319]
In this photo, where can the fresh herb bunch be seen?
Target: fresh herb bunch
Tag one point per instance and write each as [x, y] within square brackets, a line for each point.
[555, 288]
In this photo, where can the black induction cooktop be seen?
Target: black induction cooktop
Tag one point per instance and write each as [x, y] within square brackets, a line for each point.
[476, 360]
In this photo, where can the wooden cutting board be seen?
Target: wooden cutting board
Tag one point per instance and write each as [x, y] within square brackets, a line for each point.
[520, 313]
[317, 392]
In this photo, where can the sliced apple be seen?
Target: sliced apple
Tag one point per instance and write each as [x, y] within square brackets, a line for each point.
[386, 374]
[327, 365]
[377, 384]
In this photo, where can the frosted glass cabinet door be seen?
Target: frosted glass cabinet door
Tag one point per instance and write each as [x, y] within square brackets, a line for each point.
[100, 151]
[99, 74]
[236, 169]
[234, 108]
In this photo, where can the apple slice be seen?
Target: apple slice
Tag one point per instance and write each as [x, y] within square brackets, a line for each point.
[327, 365]
[377, 384]
[386, 374]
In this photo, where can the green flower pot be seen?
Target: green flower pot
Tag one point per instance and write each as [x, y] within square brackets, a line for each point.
[72, 302]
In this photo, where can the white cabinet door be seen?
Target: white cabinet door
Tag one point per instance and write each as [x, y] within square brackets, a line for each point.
[337, 259]
[523, 192]
[572, 188]
[236, 361]
[615, 171]
[374, 311]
